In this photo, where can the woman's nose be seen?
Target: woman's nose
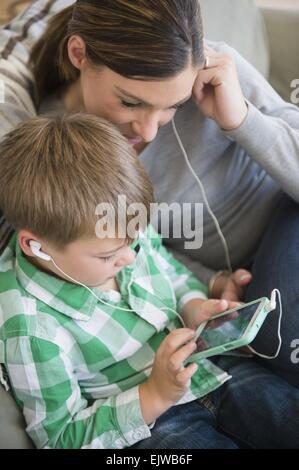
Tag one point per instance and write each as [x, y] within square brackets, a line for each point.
[147, 127]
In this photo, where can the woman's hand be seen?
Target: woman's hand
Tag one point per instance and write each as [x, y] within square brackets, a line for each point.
[231, 286]
[197, 310]
[217, 91]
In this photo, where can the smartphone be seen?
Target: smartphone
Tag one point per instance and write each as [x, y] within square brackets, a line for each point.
[230, 329]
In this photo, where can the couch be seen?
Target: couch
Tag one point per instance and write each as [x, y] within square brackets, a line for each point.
[268, 38]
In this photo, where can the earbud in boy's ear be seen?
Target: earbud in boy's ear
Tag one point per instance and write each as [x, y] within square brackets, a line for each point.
[36, 250]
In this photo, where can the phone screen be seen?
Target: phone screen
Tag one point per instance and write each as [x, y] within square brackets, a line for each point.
[226, 328]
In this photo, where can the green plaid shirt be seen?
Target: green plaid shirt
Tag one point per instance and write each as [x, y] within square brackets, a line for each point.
[74, 363]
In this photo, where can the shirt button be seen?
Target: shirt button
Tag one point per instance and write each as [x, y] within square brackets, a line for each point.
[137, 435]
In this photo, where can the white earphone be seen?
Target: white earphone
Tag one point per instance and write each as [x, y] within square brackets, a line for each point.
[36, 250]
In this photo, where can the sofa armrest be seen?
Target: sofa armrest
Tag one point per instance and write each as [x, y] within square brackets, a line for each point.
[12, 429]
[282, 26]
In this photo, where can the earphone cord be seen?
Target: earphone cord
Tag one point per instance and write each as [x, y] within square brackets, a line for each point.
[278, 332]
[225, 246]
[111, 305]
[224, 243]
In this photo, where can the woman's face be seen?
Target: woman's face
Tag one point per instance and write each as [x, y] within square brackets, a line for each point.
[138, 108]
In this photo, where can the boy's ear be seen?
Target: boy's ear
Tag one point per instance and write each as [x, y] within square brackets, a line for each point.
[24, 237]
[77, 51]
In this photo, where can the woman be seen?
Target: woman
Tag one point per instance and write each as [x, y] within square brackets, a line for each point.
[136, 63]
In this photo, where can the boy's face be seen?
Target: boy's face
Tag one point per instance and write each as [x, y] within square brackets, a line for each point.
[91, 261]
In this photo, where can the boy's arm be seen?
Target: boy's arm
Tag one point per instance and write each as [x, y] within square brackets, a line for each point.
[56, 413]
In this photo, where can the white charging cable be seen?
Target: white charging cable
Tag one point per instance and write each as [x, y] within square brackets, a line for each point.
[214, 218]
[273, 307]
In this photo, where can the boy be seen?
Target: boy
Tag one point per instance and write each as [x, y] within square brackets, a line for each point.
[79, 359]
[91, 333]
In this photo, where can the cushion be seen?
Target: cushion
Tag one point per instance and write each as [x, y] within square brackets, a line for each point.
[241, 25]
[12, 429]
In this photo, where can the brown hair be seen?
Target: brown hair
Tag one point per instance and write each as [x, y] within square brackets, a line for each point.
[55, 170]
[144, 39]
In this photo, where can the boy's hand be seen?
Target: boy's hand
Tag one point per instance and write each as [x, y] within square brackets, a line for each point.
[196, 311]
[169, 379]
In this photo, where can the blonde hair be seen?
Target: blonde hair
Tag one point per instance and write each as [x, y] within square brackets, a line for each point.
[144, 39]
[55, 170]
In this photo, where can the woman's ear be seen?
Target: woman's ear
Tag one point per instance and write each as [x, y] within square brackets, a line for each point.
[77, 51]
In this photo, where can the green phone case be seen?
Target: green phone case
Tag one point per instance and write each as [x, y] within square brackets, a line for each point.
[256, 322]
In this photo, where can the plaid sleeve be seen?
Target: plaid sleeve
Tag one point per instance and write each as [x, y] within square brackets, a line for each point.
[56, 413]
[186, 285]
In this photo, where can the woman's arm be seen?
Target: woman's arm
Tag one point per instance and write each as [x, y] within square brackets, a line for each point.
[221, 284]
[268, 131]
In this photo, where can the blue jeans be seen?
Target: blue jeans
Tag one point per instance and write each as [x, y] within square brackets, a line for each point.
[276, 265]
[255, 409]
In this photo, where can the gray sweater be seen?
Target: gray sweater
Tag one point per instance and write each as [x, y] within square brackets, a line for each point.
[244, 172]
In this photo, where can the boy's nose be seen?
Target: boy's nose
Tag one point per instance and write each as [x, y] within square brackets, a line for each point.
[126, 258]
